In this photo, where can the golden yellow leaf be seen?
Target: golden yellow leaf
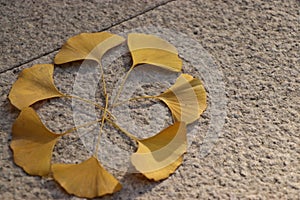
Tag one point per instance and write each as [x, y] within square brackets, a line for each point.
[165, 172]
[156, 157]
[91, 46]
[186, 98]
[33, 84]
[87, 179]
[149, 49]
[159, 156]
[32, 143]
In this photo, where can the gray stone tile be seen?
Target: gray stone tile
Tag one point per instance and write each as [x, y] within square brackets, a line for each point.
[255, 44]
[30, 29]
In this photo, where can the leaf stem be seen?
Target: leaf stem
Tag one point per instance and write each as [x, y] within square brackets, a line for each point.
[70, 130]
[89, 102]
[104, 111]
[122, 84]
[123, 130]
[135, 98]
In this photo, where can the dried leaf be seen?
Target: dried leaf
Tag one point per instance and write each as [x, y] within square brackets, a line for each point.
[159, 156]
[87, 179]
[32, 143]
[148, 49]
[33, 84]
[186, 98]
[91, 46]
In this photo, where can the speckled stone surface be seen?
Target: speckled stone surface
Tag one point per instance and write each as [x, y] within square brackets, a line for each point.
[255, 44]
[30, 29]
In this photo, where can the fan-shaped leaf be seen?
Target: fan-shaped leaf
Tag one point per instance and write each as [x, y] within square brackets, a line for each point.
[33, 84]
[186, 98]
[32, 143]
[159, 156]
[149, 49]
[87, 179]
[156, 157]
[91, 46]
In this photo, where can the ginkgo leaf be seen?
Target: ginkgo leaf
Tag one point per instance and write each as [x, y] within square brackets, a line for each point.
[186, 98]
[91, 46]
[159, 156]
[149, 49]
[32, 143]
[87, 179]
[33, 84]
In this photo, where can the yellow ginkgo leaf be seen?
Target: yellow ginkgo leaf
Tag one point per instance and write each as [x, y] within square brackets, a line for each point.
[149, 49]
[87, 179]
[91, 46]
[186, 98]
[33, 84]
[159, 156]
[32, 143]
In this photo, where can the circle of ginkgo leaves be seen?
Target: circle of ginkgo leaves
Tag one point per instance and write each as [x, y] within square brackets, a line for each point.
[156, 157]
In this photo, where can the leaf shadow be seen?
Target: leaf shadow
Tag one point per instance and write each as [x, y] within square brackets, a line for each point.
[134, 185]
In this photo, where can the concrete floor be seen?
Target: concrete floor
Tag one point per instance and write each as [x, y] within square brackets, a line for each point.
[254, 46]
